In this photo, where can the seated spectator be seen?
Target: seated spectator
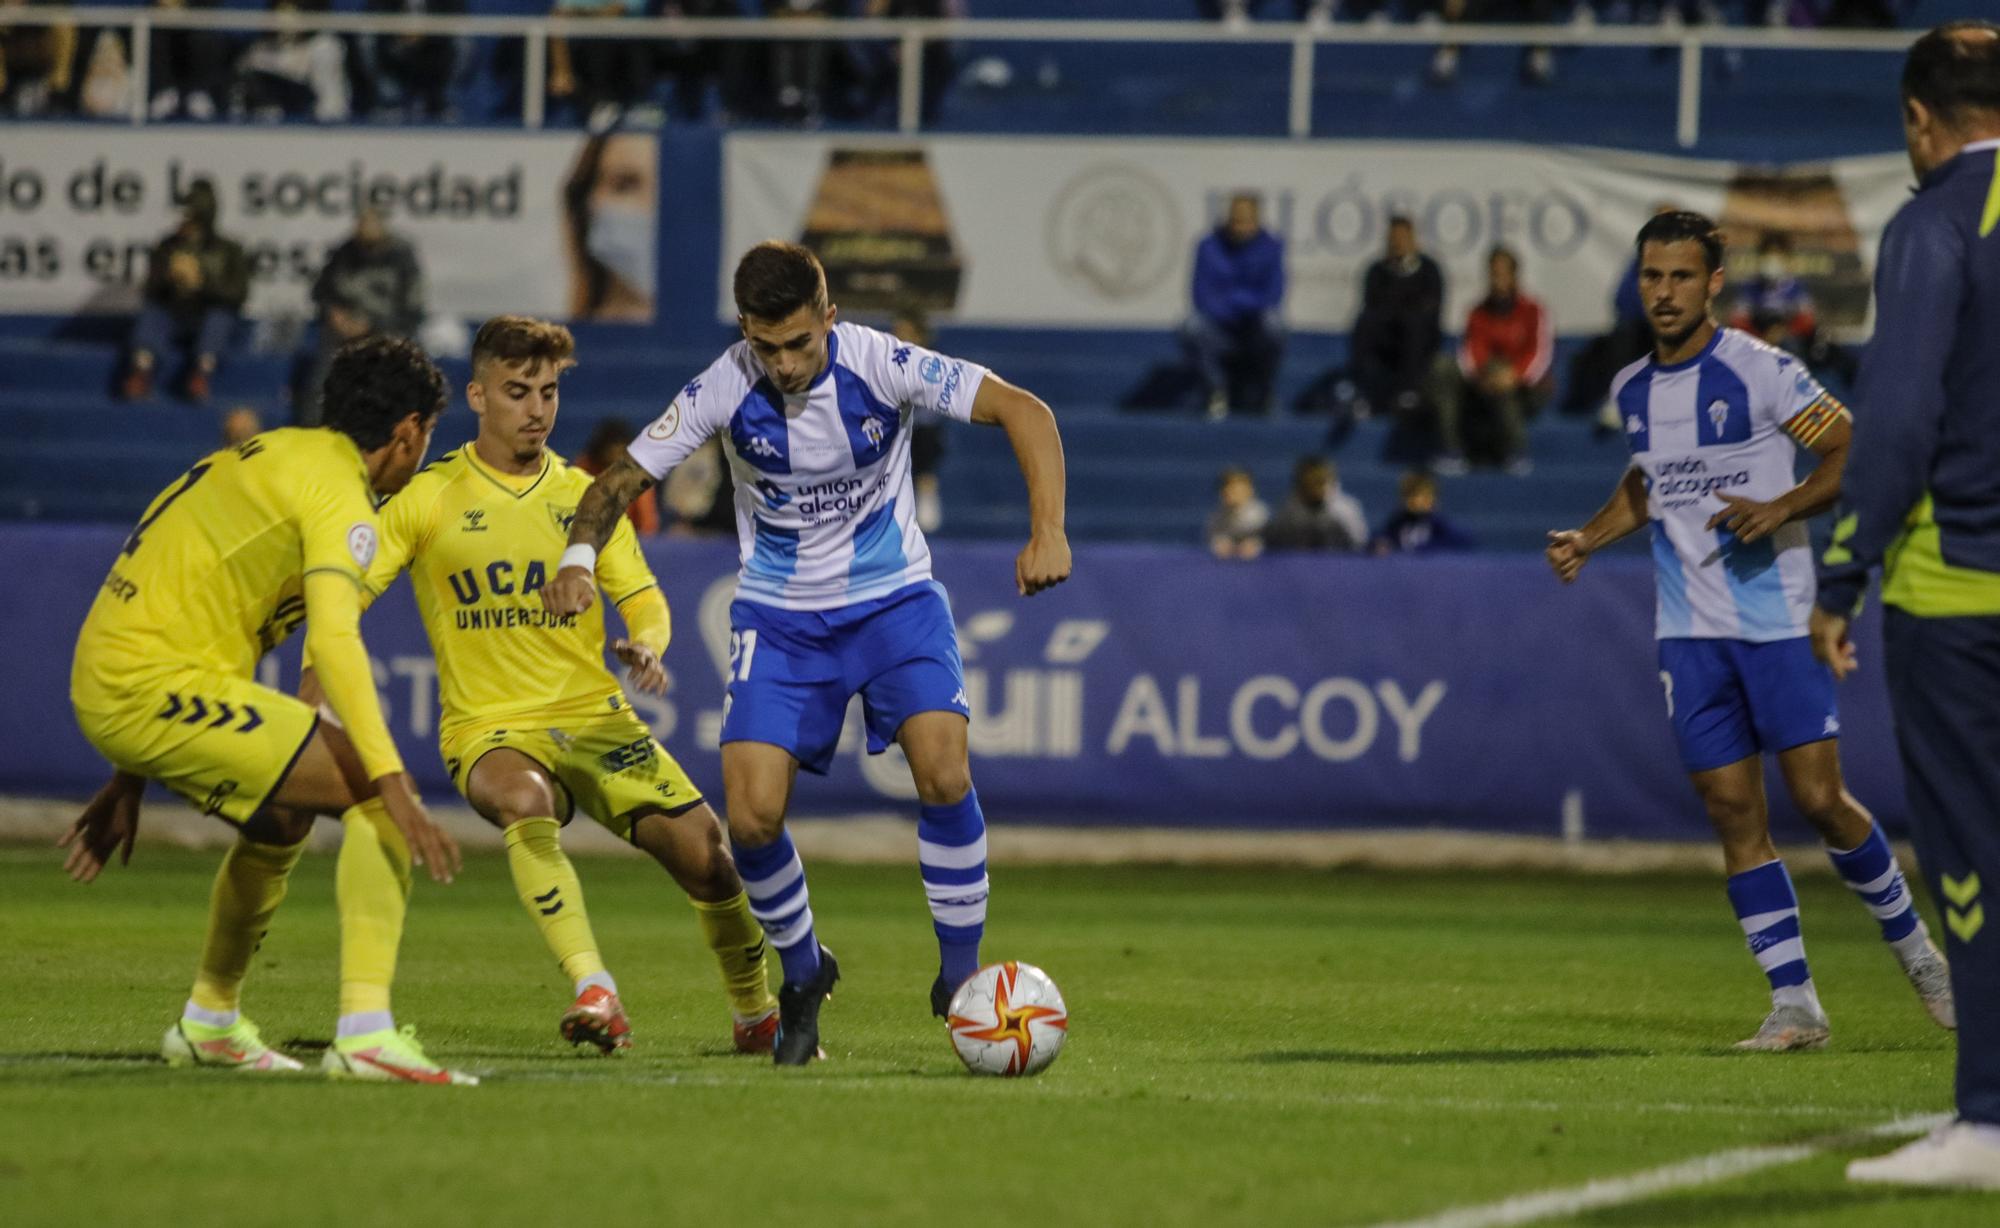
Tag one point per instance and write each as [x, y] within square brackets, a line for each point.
[1319, 515]
[294, 74]
[1236, 526]
[879, 65]
[799, 67]
[926, 432]
[604, 77]
[239, 424]
[692, 63]
[700, 496]
[1418, 527]
[1538, 63]
[606, 447]
[193, 297]
[37, 64]
[409, 76]
[189, 69]
[1501, 377]
[371, 283]
[1236, 334]
[1398, 330]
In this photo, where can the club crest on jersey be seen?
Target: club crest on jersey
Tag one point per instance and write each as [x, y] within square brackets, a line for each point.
[361, 545]
[562, 516]
[871, 426]
[1718, 413]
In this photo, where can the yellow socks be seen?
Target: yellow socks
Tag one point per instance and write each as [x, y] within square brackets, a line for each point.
[372, 889]
[248, 888]
[739, 946]
[546, 883]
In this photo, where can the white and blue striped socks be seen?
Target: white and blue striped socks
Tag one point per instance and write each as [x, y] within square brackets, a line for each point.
[1870, 870]
[951, 850]
[1768, 909]
[776, 883]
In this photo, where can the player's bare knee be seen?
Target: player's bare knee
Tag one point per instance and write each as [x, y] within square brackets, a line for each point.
[942, 786]
[755, 821]
[519, 799]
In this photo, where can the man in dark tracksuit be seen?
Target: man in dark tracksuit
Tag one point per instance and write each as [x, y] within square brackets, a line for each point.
[1921, 496]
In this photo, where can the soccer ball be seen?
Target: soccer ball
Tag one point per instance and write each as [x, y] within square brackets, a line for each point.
[1008, 1019]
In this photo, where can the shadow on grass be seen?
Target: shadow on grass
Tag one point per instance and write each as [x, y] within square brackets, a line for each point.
[1441, 1057]
[1750, 1206]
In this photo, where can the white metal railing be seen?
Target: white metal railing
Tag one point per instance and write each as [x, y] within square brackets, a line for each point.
[911, 34]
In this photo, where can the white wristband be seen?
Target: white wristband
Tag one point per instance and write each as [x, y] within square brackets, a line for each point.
[579, 555]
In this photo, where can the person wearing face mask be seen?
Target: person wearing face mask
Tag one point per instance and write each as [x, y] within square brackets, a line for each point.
[371, 283]
[611, 223]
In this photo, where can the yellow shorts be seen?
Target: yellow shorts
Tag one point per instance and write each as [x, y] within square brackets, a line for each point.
[221, 741]
[608, 766]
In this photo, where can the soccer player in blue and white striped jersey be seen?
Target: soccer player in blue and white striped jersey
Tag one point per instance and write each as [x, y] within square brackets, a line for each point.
[1714, 418]
[835, 597]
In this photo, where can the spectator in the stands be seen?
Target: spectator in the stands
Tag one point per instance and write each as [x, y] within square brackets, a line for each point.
[693, 63]
[1501, 376]
[371, 283]
[603, 77]
[409, 76]
[1538, 62]
[1398, 331]
[193, 298]
[188, 69]
[1236, 333]
[607, 445]
[294, 74]
[1318, 515]
[1236, 525]
[37, 64]
[927, 433]
[700, 496]
[1238, 12]
[239, 424]
[799, 66]
[1417, 527]
[1774, 304]
[880, 65]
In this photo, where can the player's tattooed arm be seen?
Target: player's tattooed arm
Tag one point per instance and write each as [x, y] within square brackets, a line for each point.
[575, 585]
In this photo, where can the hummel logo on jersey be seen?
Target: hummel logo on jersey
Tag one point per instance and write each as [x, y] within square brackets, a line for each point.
[901, 356]
[475, 521]
[760, 446]
[1718, 413]
[871, 426]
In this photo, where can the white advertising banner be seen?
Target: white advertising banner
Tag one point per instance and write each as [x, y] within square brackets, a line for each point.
[489, 214]
[1101, 232]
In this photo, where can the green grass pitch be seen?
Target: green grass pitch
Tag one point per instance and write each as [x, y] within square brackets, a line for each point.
[1247, 1047]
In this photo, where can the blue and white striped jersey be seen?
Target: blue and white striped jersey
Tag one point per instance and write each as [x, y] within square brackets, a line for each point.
[1726, 421]
[825, 516]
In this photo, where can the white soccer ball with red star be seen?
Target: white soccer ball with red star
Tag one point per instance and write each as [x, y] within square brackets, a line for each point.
[1008, 1019]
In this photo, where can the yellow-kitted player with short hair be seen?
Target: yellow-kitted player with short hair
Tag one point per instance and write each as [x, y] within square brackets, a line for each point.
[228, 561]
[534, 726]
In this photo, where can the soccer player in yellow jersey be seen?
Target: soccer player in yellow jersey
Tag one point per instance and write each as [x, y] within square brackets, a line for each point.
[228, 561]
[534, 726]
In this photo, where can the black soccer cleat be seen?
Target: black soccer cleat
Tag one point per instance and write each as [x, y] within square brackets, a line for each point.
[798, 1014]
[941, 995]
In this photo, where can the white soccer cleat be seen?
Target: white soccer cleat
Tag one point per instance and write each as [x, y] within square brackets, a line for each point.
[1958, 1156]
[1787, 1028]
[1930, 976]
[237, 1047]
[389, 1056]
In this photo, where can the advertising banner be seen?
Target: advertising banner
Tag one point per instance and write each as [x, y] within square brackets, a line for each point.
[554, 225]
[1050, 231]
[1157, 687]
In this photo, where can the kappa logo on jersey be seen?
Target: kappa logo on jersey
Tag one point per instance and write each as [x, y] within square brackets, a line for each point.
[692, 390]
[669, 420]
[361, 544]
[757, 445]
[932, 369]
[960, 699]
[475, 521]
[901, 356]
[772, 494]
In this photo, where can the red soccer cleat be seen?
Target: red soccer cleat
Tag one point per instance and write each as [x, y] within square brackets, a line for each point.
[598, 1017]
[757, 1036]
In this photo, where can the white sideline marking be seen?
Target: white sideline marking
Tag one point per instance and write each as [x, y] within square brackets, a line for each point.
[1702, 1170]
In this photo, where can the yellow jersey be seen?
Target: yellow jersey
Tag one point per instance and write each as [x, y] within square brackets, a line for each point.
[223, 567]
[480, 545]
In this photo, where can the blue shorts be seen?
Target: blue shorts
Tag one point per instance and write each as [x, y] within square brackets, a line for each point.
[1731, 699]
[791, 672]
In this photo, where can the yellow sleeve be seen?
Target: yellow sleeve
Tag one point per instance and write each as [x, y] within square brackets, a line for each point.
[647, 620]
[402, 523]
[333, 638]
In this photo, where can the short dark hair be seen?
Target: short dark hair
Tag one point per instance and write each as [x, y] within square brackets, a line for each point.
[775, 279]
[1232, 473]
[1502, 252]
[1313, 463]
[376, 382]
[523, 339]
[1684, 226]
[1401, 219]
[1955, 69]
